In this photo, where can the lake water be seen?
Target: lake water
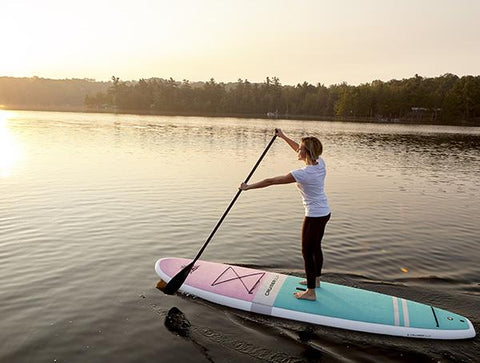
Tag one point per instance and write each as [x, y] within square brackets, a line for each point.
[89, 202]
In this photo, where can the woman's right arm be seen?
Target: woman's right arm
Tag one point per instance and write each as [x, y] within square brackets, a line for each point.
[283, 179]
[294, 145]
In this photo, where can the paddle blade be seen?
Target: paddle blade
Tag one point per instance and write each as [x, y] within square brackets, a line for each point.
[177, 281]
[161, 285]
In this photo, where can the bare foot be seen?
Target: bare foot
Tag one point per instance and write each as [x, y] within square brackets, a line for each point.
[317, 282]
[306, 295]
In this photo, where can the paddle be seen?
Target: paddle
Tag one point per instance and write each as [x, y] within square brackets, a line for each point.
[178, 280]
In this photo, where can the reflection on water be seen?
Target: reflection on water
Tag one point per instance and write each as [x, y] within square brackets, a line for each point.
[98, 198]
[10, 150]
[397, 192]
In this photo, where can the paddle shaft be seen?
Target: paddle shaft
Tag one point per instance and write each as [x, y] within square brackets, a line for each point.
[178, 280]
[233, 201]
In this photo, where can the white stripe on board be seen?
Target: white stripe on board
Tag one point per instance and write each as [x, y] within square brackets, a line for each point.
[405, 313]
[267, 293]
[395, 311]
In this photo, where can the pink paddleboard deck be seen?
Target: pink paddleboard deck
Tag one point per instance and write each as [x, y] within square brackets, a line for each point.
[231, 281]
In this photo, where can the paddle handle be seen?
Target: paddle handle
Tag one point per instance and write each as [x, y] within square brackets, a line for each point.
[233, 200]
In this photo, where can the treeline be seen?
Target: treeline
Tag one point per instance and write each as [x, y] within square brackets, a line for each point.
[444, 99]
[42, 93]
[447, 99]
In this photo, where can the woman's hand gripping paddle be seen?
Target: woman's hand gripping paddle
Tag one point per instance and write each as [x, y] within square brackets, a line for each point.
[178, 280]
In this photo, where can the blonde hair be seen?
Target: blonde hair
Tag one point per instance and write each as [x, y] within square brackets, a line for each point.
[313, 147]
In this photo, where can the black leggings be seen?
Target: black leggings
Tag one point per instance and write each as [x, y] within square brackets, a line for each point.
[312, 234]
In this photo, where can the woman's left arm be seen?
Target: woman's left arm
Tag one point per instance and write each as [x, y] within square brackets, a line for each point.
[284, 179]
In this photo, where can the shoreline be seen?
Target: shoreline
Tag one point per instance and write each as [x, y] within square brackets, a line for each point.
[373, 120]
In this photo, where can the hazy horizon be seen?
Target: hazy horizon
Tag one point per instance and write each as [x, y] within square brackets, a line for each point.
[183, 79]
[307, 41]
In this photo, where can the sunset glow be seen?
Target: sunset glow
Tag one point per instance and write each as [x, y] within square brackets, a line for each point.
[316, 41]
[10, 151]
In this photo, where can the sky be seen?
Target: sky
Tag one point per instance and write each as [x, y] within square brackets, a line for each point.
[317, 41]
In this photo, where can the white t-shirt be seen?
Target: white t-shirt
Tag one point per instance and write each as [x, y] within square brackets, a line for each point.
[310, 181]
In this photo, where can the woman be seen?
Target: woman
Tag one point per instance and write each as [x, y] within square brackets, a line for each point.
[310, 181]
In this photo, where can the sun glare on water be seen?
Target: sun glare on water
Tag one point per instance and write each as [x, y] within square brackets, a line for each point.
[10, 150]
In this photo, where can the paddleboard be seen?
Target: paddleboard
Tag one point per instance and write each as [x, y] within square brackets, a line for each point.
[339, 306]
